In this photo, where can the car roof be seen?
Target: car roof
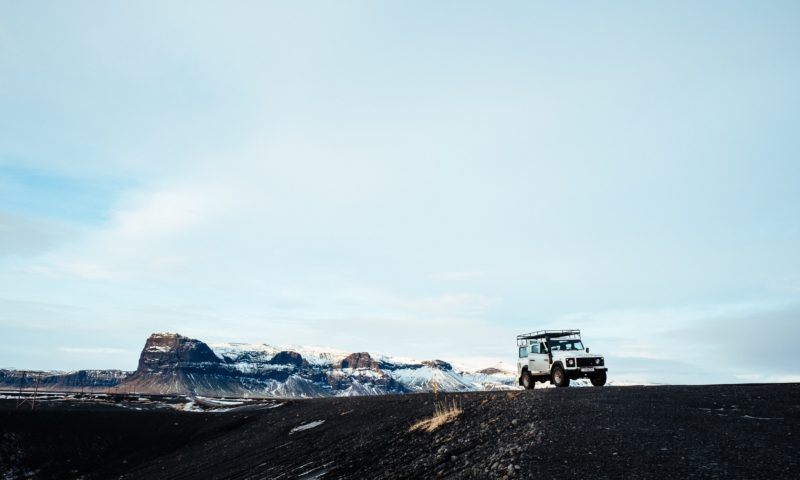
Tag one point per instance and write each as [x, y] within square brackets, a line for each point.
[548, 334]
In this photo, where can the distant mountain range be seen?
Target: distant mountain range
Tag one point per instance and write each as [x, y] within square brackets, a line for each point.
[172, 364]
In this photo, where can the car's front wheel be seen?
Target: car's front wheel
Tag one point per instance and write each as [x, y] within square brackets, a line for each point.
[560, 378]
[527, 380]
[598, 379]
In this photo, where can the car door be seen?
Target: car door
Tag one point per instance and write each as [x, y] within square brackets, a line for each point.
[538, 359]
[522, 361]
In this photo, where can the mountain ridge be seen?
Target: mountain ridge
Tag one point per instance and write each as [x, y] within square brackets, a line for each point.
[173, 364]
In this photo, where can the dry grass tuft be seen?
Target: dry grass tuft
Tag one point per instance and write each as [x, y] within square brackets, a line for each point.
[443, 413]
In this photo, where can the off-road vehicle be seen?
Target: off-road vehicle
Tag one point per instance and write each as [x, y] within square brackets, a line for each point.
[557, 356]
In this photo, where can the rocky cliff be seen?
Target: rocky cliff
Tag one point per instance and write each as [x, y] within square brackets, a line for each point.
[165, 351]
[172, 364]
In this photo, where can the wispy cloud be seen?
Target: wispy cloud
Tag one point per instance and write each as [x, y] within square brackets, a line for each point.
[458, 275]
[94, 350]
[767, 378]
[395, 201]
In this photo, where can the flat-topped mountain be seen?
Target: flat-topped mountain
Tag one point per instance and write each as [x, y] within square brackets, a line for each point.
[168, 350]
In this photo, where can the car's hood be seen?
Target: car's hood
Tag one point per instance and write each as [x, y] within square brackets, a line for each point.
[575, 353]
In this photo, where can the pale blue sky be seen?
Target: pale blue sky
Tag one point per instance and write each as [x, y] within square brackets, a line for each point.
[417, 179]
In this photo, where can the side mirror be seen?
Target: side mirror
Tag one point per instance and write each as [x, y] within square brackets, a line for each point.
[587, 349]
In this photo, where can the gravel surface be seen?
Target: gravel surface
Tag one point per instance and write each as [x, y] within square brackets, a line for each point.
[725, 431]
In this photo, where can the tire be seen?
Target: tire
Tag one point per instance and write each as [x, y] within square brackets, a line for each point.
[598, 379]
[527, 380]
[560, 378]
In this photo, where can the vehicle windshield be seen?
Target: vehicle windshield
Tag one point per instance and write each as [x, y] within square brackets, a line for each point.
[561, 345]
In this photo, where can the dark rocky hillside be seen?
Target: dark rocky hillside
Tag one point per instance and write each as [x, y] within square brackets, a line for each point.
[725, 431]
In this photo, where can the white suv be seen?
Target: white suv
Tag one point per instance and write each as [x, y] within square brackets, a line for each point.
[557, 356]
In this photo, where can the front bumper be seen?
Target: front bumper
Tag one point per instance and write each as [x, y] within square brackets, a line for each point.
[576, 373]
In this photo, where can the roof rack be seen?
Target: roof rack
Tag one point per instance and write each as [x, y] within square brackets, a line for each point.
[545, 334]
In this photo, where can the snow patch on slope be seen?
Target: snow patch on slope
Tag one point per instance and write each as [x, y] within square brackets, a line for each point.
[306, 426]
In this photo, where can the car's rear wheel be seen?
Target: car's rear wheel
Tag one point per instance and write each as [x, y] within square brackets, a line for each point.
[598, 379]
[527, 380]
[560, 378]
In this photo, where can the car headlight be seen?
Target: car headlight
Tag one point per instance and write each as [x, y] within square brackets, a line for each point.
[570, 362]
[597, 361]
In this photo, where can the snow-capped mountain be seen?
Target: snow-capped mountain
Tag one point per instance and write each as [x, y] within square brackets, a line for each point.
[174, 364]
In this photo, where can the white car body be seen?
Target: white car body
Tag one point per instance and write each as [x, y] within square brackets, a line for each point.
[542, 354]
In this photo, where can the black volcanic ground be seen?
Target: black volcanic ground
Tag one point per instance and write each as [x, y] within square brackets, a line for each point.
[731, 431]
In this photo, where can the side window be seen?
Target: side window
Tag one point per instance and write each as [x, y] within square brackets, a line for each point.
[523, 352]
[535, 348]
[543, 348]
